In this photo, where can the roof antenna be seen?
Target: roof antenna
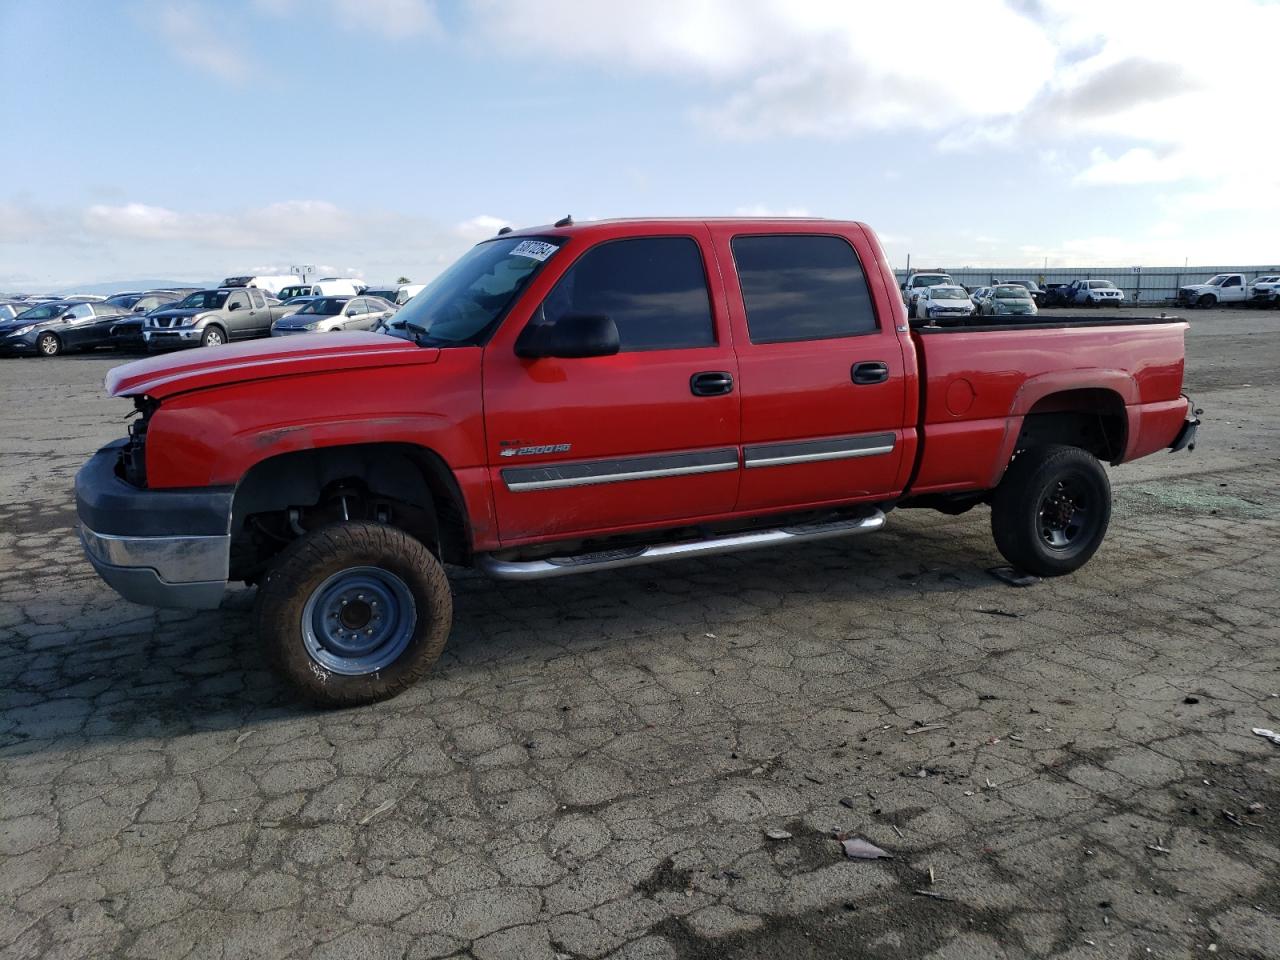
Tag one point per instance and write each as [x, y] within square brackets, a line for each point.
[503, 230]
[567, 221]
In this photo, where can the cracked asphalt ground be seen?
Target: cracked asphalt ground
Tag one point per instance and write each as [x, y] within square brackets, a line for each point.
[1063, 770]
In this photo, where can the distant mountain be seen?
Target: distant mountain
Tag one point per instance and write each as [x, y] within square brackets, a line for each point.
[122, 286]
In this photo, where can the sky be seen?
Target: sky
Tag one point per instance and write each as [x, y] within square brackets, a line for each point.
[194, 139]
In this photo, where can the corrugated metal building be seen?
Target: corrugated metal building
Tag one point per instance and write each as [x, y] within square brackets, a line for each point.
[1140, 284]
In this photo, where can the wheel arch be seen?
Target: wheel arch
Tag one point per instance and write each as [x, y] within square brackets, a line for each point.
[406, 473]
[1090, 412]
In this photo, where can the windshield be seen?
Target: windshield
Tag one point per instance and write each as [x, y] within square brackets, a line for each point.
[126, 300]
[460, 306]
[1217, 281]
[1011, 293]
[325, 306]
[930, 280]
[46, 311]
[948, 293]
[204, 300]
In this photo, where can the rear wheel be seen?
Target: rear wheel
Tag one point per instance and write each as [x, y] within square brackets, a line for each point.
[353, 613]
[212, 337]
[49, 345]
[1051, 510]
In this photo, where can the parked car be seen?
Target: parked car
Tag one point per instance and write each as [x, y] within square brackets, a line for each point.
[1223, 288]
[917, 283]
[142, 302]
[406, 292]
[1265, 291]
[977, 295]
[211, 318]
[1096, 293]
[49, 329]
[342, 473]
[334, 314]
[127, 333]
[943, 303]
[12, 308]
[1058, 294]
[1033, 288]
[1008, 300]
[272, 284]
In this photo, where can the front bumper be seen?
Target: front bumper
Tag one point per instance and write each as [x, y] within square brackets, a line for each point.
[24, 344]
[167, 338]
[160, 548]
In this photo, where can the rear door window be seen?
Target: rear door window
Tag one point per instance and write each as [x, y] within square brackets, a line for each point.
[802, 287]
[653, 288]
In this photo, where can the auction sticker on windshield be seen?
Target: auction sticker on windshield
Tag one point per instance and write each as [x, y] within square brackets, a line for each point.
[534, 249]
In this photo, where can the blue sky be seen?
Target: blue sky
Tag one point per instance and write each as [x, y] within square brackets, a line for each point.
[195, 138]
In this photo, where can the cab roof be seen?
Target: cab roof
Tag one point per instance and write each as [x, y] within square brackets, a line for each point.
[621, 225]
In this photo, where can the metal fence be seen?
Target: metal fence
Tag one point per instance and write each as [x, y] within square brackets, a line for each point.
[1140, 284]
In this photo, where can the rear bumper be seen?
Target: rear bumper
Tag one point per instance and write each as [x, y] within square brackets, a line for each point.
[160, 548]
[1186, 438]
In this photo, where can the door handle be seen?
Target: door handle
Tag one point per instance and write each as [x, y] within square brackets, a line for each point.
[871, 371]
[713, 383]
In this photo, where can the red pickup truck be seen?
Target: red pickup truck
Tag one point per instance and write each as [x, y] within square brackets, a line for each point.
[583, 397]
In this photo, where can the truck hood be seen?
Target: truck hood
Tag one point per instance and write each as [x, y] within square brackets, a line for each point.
[204, 367]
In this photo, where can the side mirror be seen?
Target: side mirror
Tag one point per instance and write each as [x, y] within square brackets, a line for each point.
[571, 337]
[234, 306]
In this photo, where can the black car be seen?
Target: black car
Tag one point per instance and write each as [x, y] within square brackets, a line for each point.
[142, 302]
[127, 333]
[1056, 295]
[51, 328]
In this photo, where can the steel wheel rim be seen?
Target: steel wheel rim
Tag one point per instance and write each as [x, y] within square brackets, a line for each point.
[1063, 516]
[358, 621]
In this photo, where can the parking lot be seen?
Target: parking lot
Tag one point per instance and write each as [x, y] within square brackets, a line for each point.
[658, 762]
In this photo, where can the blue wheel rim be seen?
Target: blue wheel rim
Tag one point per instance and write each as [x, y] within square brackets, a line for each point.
[358, 621]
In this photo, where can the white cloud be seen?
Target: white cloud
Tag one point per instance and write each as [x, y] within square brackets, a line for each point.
[763, 210]
[111, 241]
[479, 228]
[393, 19]
[820, 69]
[193, 35]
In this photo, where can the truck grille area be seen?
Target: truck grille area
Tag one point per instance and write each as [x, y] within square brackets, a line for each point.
[132, 467]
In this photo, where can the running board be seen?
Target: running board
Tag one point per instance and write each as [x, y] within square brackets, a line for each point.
[634, 556]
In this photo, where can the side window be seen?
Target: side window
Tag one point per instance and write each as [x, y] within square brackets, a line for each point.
[238, 301]
[1232, 282]
[653, 288]
[801, 287]
[256, 298]
[357, 308]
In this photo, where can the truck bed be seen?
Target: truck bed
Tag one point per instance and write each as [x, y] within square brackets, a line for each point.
[979, 383]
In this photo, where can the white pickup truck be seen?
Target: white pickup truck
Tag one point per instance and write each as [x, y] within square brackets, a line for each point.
[1265, 291]
[1223, 288]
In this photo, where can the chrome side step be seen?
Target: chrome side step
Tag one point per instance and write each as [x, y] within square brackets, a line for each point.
[634, 556]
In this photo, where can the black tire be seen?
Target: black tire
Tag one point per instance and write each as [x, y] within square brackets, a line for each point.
[1051, 510]
[213, 336]
[298, 589]
[48, 345]
[1206, 301]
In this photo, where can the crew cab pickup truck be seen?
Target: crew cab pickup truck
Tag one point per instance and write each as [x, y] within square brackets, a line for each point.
[589, 397]
[210, 318]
